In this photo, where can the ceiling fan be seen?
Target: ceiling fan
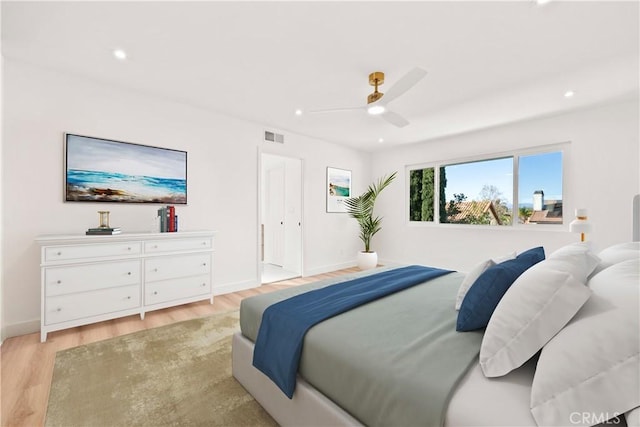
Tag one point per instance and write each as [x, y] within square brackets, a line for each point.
[377, 101]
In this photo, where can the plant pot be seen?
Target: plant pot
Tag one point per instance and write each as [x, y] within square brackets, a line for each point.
[367, 260]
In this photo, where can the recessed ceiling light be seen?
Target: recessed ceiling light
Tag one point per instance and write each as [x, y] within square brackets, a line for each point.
[298, 112]
[374, 110]
[120, 54]
[569, 94]
[380, 140]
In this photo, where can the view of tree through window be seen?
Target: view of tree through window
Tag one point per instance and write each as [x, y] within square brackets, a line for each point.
[421, 189]
[481, 192]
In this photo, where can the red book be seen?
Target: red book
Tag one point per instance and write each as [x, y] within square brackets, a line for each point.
[172, 218]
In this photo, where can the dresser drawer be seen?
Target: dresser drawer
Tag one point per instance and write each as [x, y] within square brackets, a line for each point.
[173, 245]
[64, 308]
[169, 290]
[89, 277]
[79, 252]
[163, 268]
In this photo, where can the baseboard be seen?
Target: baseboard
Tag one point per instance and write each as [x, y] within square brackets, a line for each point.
[235, 287]
[22, 328]
[328, 268]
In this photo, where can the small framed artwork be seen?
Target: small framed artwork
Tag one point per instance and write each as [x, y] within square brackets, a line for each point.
[338, 189]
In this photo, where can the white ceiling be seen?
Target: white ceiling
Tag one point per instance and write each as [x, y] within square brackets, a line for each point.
[488, 63]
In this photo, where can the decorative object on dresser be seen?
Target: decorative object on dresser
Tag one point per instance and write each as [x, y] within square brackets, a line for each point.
[104, 219]
[167, 219]
[103, 231]
[87, 279]
[103, 227]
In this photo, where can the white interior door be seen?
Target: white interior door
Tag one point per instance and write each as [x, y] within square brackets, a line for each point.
[280, 217]
[274, 232]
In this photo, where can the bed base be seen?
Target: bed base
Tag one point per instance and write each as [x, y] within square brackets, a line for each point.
[308, 407]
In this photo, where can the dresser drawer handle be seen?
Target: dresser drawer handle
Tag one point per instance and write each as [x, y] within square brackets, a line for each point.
[155, 246]
[204, 243]
[204, 264]
[129, 297]
[204, 284]
[59, 281]
[59, 253]
[155, 270]
[129, 273]
[155, 292]
[128, 248]
[58, 309]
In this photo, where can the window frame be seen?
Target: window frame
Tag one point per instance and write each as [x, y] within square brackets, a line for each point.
[563, 147]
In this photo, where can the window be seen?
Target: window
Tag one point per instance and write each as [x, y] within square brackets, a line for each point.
[485, 191]
[540, 188]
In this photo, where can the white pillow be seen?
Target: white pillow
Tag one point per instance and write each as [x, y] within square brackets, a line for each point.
[503, 258]
[538, 304]
[593, 364]
[617, 253]
[582, 260]
[470, 278]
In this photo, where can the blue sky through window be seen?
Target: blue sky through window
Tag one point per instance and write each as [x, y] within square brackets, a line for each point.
[536, 172]
[540, 172]
[469, 178]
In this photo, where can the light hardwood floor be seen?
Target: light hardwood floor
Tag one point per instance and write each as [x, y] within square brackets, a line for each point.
[27, 364]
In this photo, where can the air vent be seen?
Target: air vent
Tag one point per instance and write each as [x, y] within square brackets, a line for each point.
[273, 137]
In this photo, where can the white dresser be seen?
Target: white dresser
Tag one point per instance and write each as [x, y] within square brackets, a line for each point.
[87, 279]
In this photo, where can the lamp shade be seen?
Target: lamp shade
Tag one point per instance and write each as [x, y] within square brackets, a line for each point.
[580, 226]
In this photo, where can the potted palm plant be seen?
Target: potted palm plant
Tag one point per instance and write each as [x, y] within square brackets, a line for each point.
[361, 208]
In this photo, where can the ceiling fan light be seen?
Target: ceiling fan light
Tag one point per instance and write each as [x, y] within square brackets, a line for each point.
[374, 110]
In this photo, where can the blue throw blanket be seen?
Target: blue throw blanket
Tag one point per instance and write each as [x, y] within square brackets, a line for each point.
[279, 343]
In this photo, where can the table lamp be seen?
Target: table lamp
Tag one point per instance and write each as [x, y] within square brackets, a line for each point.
[580, 224]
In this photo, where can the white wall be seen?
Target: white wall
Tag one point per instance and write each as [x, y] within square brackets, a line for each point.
[39, 105]
[601, 175]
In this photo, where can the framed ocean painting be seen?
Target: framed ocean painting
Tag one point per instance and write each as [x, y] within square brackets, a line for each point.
[338, 189]
[103, 170]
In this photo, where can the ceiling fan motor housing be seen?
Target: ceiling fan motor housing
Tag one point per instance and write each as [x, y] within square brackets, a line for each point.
[375, 79]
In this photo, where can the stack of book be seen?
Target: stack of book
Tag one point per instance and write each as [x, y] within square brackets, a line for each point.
[168, 219]
[103, 231]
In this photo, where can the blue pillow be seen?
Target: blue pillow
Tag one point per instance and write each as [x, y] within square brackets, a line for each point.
[487, 291]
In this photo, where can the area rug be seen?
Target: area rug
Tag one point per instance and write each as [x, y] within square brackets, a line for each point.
[174, 375]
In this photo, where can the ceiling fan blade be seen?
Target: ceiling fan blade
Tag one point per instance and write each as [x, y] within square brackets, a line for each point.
[404, 84]
[395, 119]
[333, 110]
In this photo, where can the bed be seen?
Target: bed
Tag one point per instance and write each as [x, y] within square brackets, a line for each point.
[343, 381]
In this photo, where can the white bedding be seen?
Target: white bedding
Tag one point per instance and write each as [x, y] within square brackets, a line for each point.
[503, 401]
